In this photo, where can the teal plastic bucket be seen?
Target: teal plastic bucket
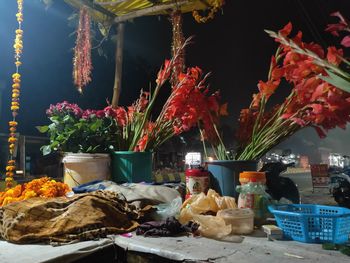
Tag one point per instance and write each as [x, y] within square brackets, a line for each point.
[225, 175]
[131, 167]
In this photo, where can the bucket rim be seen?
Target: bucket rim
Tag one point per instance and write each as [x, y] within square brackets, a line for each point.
[130, 152]
[215, 162]
[85, 157]
[85, 154]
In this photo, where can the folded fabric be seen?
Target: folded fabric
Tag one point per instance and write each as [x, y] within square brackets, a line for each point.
[139, 194]
[90, 186]
[170, 227]
[63, 219]
[155, 194]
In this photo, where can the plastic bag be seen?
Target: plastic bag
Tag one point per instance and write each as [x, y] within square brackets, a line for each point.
[212, 226]
[168, 209]
[201, 204]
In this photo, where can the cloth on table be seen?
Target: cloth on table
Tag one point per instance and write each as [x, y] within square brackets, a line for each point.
[139, 195]
[170, 227]
[92, 186]
[68, 219]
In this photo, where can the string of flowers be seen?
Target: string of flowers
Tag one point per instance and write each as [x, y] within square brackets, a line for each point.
[178, 41]
[216, 6]
[16, 78]
[82, 65]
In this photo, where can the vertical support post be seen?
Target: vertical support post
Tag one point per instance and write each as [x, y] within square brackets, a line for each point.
[22, 154]
[118, 65]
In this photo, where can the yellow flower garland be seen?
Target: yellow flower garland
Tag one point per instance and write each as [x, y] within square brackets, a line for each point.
[16, 78]
[216, 6]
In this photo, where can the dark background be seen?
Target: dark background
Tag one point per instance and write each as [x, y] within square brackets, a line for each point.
[233, 47]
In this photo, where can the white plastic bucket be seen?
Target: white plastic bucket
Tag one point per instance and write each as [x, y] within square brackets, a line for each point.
[81, 168]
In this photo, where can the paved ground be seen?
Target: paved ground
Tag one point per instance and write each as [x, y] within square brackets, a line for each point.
[302, 178]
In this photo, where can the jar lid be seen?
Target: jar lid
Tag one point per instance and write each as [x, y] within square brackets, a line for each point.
[235, 213]
[252, 176]
[196, 172]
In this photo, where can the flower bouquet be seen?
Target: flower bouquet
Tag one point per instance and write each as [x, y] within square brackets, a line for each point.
[75, 130]
[318, 97]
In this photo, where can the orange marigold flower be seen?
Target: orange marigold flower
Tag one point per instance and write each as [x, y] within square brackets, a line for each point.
[10, 168]
[18, 63]
[17, 46]
[9, 174]
[16, 76]
[17, 80]
[16, 86]
[14, 108]
[12, 140]
[13, 123]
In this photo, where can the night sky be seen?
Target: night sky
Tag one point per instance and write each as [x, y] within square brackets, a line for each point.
[233, 47]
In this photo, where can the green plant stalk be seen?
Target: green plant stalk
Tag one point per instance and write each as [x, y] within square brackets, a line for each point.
[203, 143]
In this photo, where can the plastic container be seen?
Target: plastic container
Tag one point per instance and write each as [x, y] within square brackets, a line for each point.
[81, 168]
[313, 223]
[225, 175]
[197, 181]
[252, 194]
[131, 167]
[241, 220]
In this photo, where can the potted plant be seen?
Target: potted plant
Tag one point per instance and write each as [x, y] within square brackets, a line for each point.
[315, 100]
[83, 138]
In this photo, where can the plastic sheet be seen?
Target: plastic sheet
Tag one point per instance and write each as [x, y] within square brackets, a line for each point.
[212, 226]
[168, 209]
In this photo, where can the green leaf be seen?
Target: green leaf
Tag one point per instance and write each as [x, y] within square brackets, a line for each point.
[46, 149]
[96, 125]
[89, 149]
[52, 126]
[42, 129]
[336, 81]
[67, 118]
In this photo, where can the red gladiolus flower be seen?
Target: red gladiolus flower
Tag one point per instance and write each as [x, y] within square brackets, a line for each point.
[164, 73]
[268, 88]
[334, 55]
[346, 41]
[286, 30]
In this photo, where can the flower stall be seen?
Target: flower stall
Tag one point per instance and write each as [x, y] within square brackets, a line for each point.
[229, 211]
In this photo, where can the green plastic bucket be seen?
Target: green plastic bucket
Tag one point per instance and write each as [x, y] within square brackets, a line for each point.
[131, 167]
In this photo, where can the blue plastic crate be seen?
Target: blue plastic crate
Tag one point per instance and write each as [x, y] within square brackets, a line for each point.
[313, 223]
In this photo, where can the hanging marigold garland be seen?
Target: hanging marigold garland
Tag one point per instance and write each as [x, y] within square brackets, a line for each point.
[177, 49]
[16, 79]
[82, 52]
[216, 6]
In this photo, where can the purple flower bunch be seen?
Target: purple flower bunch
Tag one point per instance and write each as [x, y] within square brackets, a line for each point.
[64, 108]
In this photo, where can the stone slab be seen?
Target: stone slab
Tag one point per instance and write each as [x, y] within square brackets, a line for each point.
[252, 249]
